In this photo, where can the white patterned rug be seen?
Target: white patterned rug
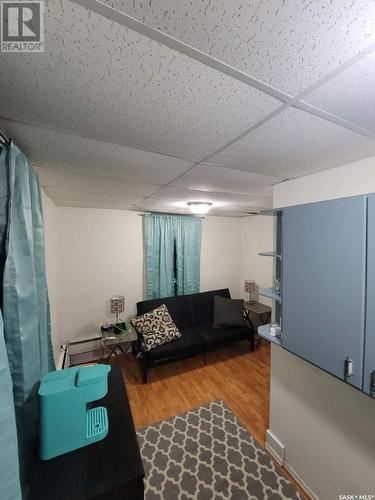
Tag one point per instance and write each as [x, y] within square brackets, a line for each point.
[207, 454]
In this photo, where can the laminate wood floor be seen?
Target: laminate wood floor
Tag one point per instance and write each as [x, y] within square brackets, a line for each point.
[235, 375]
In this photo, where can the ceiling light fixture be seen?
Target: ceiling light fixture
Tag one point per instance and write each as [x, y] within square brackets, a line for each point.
[199, 207]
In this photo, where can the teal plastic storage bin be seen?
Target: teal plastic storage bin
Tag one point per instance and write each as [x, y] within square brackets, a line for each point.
[65, 422]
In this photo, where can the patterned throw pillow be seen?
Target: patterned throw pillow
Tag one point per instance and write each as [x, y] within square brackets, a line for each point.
[157, 327]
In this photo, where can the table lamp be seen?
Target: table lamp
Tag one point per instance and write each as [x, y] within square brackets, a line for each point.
[117, 305]
[252, 289]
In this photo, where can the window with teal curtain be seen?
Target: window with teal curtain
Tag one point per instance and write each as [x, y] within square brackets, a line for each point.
[172, 254]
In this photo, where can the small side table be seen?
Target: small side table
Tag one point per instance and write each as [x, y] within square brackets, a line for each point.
[262, 311]
[84, 351]
[116, 342]
[257, 314]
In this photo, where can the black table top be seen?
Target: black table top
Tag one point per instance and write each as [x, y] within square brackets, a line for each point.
[101, 468]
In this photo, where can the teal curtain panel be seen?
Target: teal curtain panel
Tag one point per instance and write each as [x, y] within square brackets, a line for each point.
[159, 255]
[188, 234]
[4, 205]
[172, 254]
[25, 307]
[9, 465]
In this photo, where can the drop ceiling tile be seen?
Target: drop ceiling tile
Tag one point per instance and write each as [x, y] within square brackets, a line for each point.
[93, 197]
[55, 180]
[171, 206]
[76, 155]
[289, 44]
[181, 196]
[100, 79]
[239, 211]
[107, 204]
[233, 214]
[296, 143]
[167, 206]
[215, 178]
[350, 95]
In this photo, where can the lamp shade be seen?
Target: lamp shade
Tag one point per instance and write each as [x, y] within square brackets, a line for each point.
[117, 304]
[250, 286]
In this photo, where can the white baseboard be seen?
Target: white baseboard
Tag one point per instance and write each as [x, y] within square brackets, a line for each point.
[300, 481]
[276, 448]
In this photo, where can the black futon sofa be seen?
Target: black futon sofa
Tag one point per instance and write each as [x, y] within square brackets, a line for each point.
[193, 315]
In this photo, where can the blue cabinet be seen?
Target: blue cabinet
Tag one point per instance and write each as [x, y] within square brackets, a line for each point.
[368, 377]
[324, 285]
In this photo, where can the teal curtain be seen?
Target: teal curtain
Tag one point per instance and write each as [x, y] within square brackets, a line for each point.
[27, 328]
[188, 254]
[172, 254]
[159, 253]
[9, 467]
[4, 205]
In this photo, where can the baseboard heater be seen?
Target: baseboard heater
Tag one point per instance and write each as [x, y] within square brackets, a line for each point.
[275, 447]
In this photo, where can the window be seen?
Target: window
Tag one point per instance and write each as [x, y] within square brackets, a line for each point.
[172, 254]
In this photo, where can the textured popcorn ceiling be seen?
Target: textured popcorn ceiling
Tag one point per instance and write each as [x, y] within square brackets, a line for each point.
[118, 113]
[288, 44]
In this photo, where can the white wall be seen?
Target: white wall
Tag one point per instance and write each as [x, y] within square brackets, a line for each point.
[221, 254]
[100, 253]
[257, 235]
[326, 426]
[348, 180]
[52, 243]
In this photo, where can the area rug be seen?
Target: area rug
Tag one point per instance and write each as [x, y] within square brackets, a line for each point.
[207, 454]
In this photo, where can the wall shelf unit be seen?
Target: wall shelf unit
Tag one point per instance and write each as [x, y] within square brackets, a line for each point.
[264, 332]
[270, 293]
[277, 255]
[271, 211]
[270, 254]
[326, 245]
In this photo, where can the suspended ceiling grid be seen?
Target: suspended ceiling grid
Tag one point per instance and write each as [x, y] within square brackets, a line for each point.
[147, 105]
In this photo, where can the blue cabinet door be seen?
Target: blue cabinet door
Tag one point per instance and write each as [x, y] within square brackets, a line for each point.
[324, 276]
[370, 300]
